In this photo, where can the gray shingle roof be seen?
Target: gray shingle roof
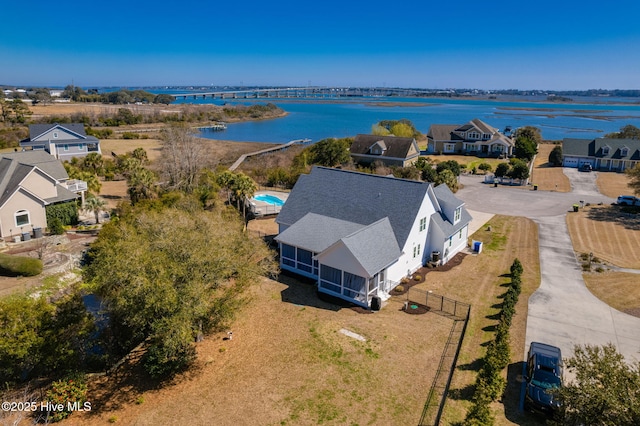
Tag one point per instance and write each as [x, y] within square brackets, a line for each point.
[575, 146]
[36, 130]
[441, 132]
[396, 147]
[374, 246]
[15, 166]
[355, 197]
[444, 132]
[316, 233]
[448, 203]
[593, 148]
[41, 159]
[447, 227]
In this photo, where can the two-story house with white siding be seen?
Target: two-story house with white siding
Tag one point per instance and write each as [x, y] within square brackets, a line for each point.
[63, 141]
[359, 234]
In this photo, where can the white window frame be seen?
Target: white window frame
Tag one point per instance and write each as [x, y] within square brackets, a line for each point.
[22, 213]
[457, 215]
[423, 224]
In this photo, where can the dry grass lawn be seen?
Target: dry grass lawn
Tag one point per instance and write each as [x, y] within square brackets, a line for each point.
[289, 364]
[547, 177]
[613, 184]
[608, 233]
[619, 290]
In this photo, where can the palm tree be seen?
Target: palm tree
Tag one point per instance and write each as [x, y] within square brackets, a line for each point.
[243, 188]
[225, 180]
[141, 155]
[95, 205]
[94, 162]
[142, 185]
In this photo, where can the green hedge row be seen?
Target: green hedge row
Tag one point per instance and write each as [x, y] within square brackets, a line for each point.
[16, 266]
[490, 383]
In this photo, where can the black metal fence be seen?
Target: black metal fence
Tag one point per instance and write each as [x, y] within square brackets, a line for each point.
[439, 304]
[459, 312]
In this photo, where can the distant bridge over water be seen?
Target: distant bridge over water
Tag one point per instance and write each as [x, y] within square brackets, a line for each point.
[305, 92]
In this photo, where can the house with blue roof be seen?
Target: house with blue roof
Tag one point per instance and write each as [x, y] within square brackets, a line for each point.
[359, 234]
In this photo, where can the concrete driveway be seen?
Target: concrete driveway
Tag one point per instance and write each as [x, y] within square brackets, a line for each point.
[562, 312]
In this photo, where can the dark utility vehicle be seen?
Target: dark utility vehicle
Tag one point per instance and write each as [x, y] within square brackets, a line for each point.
[544, 373]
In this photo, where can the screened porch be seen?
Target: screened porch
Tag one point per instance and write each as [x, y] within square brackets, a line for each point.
[348, 286]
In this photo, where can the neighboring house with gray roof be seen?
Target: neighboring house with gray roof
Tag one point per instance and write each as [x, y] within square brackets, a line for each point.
[388, 150]
[359, 234]
[29, 182]
[475, 138]
[605, 154]
[63, 141]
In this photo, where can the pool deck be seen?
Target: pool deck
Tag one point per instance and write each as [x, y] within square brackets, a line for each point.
[261, 208]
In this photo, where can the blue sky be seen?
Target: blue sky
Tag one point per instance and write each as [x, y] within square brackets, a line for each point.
[482, 44]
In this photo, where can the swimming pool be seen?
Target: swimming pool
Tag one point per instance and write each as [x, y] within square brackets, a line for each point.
[269, 199]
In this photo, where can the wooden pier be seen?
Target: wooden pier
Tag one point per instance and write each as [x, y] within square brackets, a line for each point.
[268, 150]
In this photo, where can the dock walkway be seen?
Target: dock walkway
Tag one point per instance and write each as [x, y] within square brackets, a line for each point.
[243, 157]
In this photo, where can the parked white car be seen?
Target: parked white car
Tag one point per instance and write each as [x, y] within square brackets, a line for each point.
[628, 200]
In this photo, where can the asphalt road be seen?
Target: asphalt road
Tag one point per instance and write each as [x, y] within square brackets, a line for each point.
[562, 312]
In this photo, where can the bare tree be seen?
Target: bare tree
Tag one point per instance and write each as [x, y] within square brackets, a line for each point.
[42, 247]
[182, 158]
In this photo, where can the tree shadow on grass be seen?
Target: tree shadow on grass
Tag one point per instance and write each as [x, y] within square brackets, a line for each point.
[629, 217]
[125, 385]
[471, 366]
[462, 394]
[304, 292]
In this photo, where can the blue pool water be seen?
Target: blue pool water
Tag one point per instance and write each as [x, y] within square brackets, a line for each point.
[269, 199]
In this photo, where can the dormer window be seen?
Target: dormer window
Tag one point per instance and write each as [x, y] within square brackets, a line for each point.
[624, 151]
[605, 150]
[457, 215]
[378, 148]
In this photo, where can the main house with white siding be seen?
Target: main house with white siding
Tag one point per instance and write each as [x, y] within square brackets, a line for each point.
[63, 141]
[359, 234]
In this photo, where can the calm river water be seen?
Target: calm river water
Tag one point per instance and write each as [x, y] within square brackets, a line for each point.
[318, 119]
